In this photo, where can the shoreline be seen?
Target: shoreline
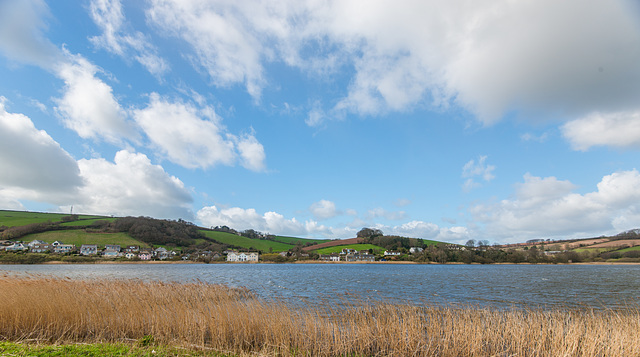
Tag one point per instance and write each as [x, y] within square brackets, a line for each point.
[159, 262]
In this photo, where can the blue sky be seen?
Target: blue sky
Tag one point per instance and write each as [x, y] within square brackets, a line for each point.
[497, 120]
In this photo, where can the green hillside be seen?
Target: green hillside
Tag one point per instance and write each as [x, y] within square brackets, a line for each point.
[20, 218]
[247, 243]
[86, 222]
[80, 237]
[358, 247]
[304, 241]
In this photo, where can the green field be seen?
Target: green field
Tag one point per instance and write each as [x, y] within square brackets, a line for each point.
[294, 240]
[21, 218]
[358, 247]
[86, 222]
[637, 247]
[247, 243]
[80, 237]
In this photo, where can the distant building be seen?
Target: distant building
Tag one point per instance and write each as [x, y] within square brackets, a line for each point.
[36, 241]
[242, 257]
[64, 248]
[392, 253]
[89, 249]
[112, 247]
[414, 250]
[15, 247]
[360, 257]
[330, 257]
[40, 248]
[110, 253]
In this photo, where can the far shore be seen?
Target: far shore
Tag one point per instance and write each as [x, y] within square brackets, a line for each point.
[319, 262]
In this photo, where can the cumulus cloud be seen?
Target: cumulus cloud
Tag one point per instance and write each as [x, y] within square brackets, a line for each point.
[323, 209]
[194, 137]
[251, 152]
[619, 129]
[530, 57]
[22, 24]
[88, 106]
[269, 222]
[548, 207]
[34, 166]
[276, 223]
[222, 37]
[109, 17]
[131, 185]
[474, 169]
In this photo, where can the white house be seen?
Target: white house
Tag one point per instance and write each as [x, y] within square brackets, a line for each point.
[64, 248]
[392, 253]
[414, 250]
[242, 257]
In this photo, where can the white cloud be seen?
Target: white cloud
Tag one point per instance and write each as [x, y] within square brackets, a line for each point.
[275, 223]
[251, 152]
[533, 58]
[21, 32]
[109, 17]
[222, 39]
[88, 106]
[536, 138]
[619, 129]
[269, 222]
[426, 230]
[195, 137]
[380, 212]
[323, 209]
[34, 166]
[472, 169]
[131, 185]
[547, 207]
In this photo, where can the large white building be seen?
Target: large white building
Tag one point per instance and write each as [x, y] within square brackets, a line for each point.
[242, 257]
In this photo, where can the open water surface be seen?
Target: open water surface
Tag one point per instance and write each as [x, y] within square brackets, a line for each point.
[479, 285]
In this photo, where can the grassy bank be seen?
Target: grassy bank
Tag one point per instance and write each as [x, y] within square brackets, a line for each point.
[196, 316]
[99, 349]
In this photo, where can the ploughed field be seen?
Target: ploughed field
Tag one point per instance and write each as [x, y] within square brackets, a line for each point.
[198, 316]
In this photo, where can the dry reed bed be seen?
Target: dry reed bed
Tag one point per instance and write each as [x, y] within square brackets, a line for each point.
[232, 320]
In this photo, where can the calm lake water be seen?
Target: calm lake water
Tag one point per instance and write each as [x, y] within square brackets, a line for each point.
[484, 285]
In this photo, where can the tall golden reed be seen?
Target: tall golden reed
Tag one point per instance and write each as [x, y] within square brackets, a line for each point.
[198, 315]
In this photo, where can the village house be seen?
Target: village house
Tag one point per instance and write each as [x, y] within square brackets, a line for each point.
[414, 250]
[132, 249]
[110, 253]
[346, 251]
[40, 248]
[15, 247]
[130, 255]
[34, 242]
[161, 253]
[360, 257]
[242, 257]
[112, 247]
[330, 257]
[64, 248]
[88, 249]
[391, 253]
[144, 255]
